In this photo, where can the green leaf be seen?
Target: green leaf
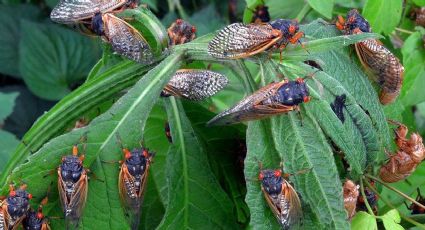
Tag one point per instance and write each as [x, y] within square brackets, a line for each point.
[363, 221]
[194, 193]
[7, 102]
[53, 59]
[8, 143]
[391, 220]
[419, 2]
[10, 30]
[414, 75]
[127, 118]
[206, 20]
[324, 7]
[383, 15]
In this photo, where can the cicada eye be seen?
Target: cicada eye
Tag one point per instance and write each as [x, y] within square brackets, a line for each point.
[306, 99]
[292, 29]
[179, 21]
[29, 196]
[12, 193]
[300, 80]
[261, 176]
[193, 29]
[145, 153]
[40, 215]
[127, 155]
[277, 173]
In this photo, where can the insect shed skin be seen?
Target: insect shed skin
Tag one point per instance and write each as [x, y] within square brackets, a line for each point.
[351, 194]
[375, 57]
[281, 197]
[14, 208]
[272, 99]
[181, 32]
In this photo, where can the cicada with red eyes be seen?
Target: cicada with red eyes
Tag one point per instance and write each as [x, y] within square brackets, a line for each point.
[272, 99]
[194, 84]
[281, 197]
[124, 38]
[14, 208]
[240, 40]
[72, 186]
[35, 220]
[375, 57]
[132, 180]
[351, 193]
[181, 32]
[81, 11]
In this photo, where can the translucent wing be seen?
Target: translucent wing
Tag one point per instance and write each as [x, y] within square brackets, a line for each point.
[384, 65]
[126, 40]
[239, 40]
[73, 11]
[295, 212]
[256, 106]
[195, 84]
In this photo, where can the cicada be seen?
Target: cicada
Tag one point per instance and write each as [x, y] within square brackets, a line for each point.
[14, 208]
[413, 146]
[132, 180]
[124, 38]
[239, 40]
[281, 197]
[181, 32]
[351, 193]
[194, 84]
[272, 99]
[81, 11]
[338, 106]
[375, 57]
[72, 186]
[36, 220]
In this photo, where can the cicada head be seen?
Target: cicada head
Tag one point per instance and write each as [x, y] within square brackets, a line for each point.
[34, 220]
[271, 180]
[137, 161]
[181, 32]
[17, 204]
[356, 21]
[71, 169]
[97, 24]
[293, 93]
[288, 27]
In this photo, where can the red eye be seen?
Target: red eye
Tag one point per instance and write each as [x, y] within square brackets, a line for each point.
[261, 176]
[12, 193]
[40, 215]
[300, 80]
[179, 21]
[193, 29]
[277, 173]
[29, 196]
[307, 99]
[291, 29]
[145, 153]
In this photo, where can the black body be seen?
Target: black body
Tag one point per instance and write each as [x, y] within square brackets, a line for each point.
[313, 64]
[71, 170]
[261, 13]
[271, 183]
[338, 106]
[355, 20]
[136, 165]
[292, 93]
[97, 24]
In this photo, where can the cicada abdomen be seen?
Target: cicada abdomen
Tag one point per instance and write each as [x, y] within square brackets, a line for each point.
[240, 40]
[72, 186]
[194, 84]
[132, 180]
[35, 220]
[281, 197]
[124, 38]
[81, 11]
[375, 57]
[351, 194]
[272, 99]
[14, 208]
[181, 32]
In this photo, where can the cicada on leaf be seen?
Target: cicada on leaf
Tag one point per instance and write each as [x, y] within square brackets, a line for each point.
[281, 197]
[240, 40]
[132, 180]
[124, 38]
[351, 194]
[81, 11]
[181, 32]
[194, 84]
[14, 207]
[35, 220]
[375, 57]
[272, 99]
[72, 186]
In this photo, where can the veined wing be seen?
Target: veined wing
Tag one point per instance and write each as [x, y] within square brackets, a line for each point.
[126, 40]
[294, 214]
[239, 40]
[256, 106]
[74, 11]
[195, 84]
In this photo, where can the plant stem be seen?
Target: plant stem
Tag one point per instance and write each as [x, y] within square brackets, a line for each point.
[408, 219]
[369, 209]
[404, 31]
[395, 190]
[303, 12]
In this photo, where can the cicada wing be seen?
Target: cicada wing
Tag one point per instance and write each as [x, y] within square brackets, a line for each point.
[126, 40]
[294, 215]
[254, 107]
[78, 198]
[239, 40]
[195, 84]
[74, 11]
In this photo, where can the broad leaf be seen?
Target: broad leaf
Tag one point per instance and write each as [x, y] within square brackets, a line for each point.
[363, 221]
[324, 7]
[7, 102]
[392, 220]
[54, 59]
[383, 15]
[8, 143]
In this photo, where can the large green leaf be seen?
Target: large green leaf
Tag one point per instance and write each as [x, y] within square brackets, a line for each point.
[10, 30]
[383, 15]
[324, 7]
[8, 143]
[7, 102]
[195, 198]
[54, 59]
[126, 118]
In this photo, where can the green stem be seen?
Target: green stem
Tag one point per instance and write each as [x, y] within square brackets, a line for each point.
[369, 209]
[303, 12]
[403, 30]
